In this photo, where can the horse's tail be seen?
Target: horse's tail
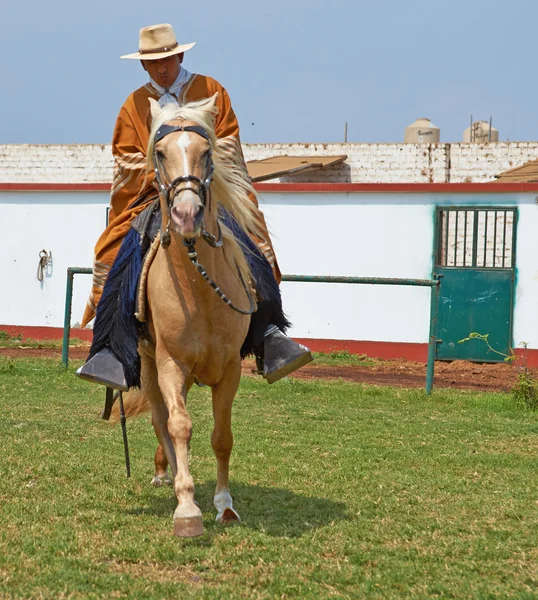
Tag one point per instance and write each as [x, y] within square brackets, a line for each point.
[135, 403]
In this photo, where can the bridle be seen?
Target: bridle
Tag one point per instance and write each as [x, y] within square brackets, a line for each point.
[204, 193]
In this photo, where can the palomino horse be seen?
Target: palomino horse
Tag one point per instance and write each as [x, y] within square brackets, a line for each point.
[194, 333]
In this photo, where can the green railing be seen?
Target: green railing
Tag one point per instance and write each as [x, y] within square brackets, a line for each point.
[432, 283]
[71, 272]
[434, 303]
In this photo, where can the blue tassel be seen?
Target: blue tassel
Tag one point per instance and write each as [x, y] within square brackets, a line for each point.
[270, 310]
[115, 324]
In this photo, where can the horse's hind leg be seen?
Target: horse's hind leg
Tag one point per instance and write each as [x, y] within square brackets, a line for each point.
[222, 441]
[159, 417]
[161, 468]
[178, 431]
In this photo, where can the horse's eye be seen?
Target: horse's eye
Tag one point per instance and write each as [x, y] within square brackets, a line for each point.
[159, 154]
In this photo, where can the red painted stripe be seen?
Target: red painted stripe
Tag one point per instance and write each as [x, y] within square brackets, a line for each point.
[341, 188]
[45, 333]
[55, 187]
[421, 188]
[408, 351]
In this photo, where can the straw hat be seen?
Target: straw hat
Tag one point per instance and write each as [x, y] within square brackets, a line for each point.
[158, 41]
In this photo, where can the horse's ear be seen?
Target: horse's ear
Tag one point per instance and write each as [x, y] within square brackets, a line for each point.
[155, 108]
[213, 100]
[210, 104]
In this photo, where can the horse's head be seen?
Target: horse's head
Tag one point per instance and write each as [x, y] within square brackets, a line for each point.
[180, 153]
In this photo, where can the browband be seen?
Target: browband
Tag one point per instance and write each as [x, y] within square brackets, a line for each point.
[164, 130]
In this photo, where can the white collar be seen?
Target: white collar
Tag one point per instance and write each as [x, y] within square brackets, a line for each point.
[171, 94]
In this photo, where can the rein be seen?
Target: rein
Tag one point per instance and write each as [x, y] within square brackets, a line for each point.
[204, 193]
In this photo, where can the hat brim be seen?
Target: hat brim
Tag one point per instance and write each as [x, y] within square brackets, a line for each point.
[157, 55]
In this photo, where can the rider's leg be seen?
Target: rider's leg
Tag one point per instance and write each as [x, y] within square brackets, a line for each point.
[103, 366]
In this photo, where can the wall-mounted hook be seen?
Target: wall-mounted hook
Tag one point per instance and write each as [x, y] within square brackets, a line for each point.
[45, 258]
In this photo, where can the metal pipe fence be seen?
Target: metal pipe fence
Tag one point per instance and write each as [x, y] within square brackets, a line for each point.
[431, 283]
[71, 272]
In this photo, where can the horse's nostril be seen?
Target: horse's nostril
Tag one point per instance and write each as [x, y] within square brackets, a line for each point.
[199, 217]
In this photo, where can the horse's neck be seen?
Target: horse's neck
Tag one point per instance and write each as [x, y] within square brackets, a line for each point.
[182, 268]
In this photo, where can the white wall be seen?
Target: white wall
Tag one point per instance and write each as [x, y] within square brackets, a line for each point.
[358, 235]
[378, 235]
[526, 300]
[66, 224]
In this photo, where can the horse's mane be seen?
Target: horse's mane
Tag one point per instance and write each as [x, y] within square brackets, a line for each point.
[231, 185]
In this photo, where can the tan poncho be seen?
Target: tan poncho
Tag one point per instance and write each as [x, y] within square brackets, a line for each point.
[129, 144]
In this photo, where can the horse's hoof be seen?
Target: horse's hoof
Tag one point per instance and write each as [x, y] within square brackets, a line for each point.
[228, 517]
[189, 527]
[159, 481]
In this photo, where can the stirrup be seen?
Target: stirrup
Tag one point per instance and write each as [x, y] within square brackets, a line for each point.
[103, 367]
[282, 355]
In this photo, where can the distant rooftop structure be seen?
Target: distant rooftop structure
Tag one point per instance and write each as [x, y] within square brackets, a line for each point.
[481, 132]
[422, 131]
[526, 173]
[278, 166]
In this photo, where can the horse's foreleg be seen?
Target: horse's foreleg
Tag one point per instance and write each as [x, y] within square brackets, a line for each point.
[222, 440]
[173, 385]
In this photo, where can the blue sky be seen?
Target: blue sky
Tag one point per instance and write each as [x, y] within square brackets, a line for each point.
[296, 70]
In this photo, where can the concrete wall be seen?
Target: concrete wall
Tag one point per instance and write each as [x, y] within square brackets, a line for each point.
[367, 163]
[355, 234]
[65, 224]
[77, 163]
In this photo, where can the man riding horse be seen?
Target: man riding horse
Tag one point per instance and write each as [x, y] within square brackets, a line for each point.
[133, 189]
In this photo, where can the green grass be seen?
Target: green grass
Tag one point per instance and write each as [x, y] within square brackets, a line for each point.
[343, 357]
[346, 491]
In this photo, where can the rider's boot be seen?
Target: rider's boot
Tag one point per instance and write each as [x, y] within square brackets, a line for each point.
[282, 355]
[103, 367]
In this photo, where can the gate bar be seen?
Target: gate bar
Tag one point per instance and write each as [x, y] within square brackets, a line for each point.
[366, 280]
[434, 304]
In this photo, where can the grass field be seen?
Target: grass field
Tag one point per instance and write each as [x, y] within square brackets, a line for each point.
[345, 491]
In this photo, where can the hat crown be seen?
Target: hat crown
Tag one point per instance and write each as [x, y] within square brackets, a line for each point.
[157, 38]
[156, 42]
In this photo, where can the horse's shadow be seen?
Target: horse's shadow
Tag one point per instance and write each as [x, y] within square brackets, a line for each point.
[274, 511]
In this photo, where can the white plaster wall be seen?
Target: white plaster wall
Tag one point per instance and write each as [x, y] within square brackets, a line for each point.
[66, 224]
[526, 300]
[313, 234]
[354, 235]
[379, 235]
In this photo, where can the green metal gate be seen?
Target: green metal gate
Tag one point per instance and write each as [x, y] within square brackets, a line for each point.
[475, 262]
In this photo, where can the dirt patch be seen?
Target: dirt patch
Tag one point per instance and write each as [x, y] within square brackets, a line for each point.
[401, 373]
[43, 352]
[398, 373]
